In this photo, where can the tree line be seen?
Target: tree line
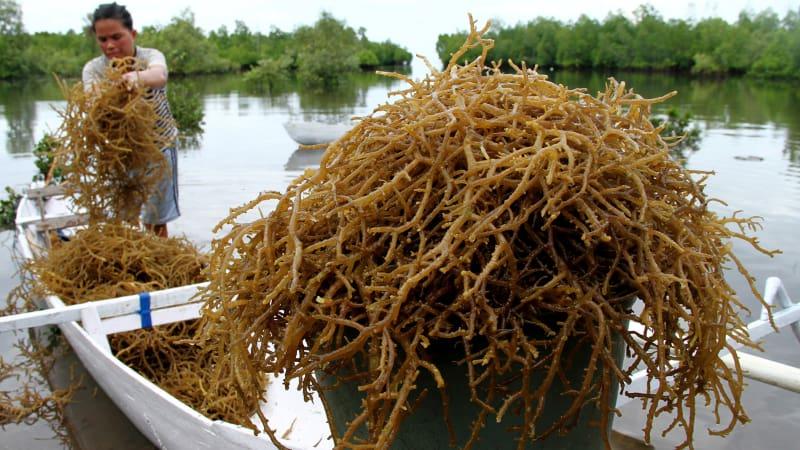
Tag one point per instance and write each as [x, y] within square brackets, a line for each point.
[320, 52]
[761, 44]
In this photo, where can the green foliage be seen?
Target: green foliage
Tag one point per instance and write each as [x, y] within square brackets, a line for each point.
[735, 51]
[61, 54]
[13, 41]
[44, 154]
[186, 106]
[651, 49]
[242, 48]
[576, 43]
[320, 54]
[325, 51]
[269, 72]
[544, 33]
[615, 43]
[53, 337]
[386, 54]
[705, 64]
[758, 43]
[781, 57]
[278, 44]
[8, 209]
[366, 58]
[185, 46]
[706, 37]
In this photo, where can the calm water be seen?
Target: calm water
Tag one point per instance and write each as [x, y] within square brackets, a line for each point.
[750, 138]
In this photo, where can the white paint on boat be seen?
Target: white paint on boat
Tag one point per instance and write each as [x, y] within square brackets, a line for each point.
[123, 311]
[164, 420]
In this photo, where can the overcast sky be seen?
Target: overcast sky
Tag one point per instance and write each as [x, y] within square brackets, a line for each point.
[414, 24]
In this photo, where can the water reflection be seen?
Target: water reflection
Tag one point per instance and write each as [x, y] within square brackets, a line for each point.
[732, 103]
[332, 104]
[792, 147]
[192, 142]
[304, 159]
[20, 115]
[18, 102]
[338, 103]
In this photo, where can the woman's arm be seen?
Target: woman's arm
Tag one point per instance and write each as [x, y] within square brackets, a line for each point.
[155, 76]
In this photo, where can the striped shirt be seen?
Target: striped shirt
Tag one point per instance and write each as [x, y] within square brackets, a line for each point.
[95, 69]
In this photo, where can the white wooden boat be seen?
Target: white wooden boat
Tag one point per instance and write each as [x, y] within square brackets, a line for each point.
[314, 133]
[168, 423]
[165, 421]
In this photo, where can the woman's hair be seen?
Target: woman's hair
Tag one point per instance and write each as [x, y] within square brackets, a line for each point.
[113, 11]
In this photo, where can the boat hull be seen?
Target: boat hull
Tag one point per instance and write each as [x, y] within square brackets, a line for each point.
[315, 133]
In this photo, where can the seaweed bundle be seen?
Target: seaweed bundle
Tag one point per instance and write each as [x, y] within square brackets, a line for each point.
[110, 146]
[477, 207]
[108, 260]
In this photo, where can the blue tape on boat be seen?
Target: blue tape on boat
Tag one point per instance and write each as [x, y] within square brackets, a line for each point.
[144, 310]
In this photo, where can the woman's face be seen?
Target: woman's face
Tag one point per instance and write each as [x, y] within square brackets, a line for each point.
[114, 39]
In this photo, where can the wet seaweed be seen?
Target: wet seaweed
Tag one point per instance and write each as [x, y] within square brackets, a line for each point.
[109, 260]
[110, 143]
[508, 215]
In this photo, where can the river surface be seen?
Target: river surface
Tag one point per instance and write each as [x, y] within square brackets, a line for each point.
[750, 138]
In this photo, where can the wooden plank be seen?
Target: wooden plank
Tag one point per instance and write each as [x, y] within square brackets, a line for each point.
[43, 214]
[90, 320]
[49, 190]
[162, 316]
[128, 304]
[55, 223]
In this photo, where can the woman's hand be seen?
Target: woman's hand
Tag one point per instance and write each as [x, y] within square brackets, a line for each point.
[153, 77]
[131, 80]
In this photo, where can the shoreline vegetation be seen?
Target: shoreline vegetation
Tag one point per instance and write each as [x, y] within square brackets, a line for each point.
[759, 44]
[318, 54]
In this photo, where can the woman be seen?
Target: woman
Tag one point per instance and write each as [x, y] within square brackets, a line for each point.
[112, 26]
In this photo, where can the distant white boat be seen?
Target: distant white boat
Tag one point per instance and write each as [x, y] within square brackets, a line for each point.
[314, 133]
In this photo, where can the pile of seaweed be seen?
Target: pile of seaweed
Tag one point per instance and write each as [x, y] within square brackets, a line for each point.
[110, 260]
[110, 157]
[507, 215]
